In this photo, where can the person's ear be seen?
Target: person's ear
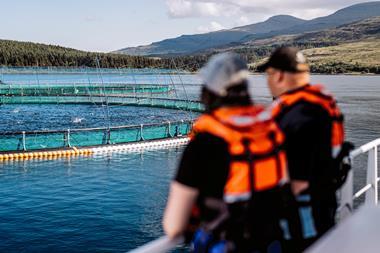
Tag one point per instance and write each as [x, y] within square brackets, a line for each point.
[281, 76]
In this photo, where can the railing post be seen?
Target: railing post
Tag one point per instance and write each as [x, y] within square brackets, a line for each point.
[67, 138]
[107, 136]
[346, 200]
[371, 196]
[169, 130]
[141, 133]
[23, 141]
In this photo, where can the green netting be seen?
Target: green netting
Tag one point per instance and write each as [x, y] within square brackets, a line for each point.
[155, 132]
[91, 137]
[180, 128]
[11, 142]
[116, 100]
[90, 70]
[44, 141]
[88, 138]
[125, 135]
[59, 89]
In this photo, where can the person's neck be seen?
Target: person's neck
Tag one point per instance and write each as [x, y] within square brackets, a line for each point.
[294, 87]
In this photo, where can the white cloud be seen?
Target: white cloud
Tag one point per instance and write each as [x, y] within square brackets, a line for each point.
[236, 8]
[191, 8]
[212, 27]
[243, 20]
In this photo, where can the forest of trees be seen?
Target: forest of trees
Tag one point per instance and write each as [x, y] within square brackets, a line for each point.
[17, 54]
[21, 54]
[13, 53]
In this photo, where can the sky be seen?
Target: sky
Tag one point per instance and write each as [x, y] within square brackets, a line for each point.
[108, 25]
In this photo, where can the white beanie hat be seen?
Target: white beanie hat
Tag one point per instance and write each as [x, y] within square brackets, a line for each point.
[222, 72]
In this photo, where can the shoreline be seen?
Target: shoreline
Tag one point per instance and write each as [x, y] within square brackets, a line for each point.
[184, 72]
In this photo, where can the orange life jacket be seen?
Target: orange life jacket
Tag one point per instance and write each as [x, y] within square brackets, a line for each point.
[316, 94]
[254, 140]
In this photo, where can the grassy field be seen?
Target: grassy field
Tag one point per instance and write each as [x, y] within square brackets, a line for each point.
[365, 53]
[355, 57]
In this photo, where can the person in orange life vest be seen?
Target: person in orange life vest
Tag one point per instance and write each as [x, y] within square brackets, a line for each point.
[313, 126]
[232, 170]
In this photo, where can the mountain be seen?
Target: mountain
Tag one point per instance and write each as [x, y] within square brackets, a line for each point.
[274, 26]
[186, 44]
[352, 32]
[344, 16]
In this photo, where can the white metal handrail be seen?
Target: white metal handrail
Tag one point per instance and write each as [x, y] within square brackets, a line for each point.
[159, 245]
[163, 244]
[371, 188]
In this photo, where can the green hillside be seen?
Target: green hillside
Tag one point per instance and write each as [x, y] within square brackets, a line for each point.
[350, 48]
[357, 57]
[15, 53]
[354, 57]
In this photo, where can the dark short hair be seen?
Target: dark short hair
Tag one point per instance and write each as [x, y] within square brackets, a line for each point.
[237, 95]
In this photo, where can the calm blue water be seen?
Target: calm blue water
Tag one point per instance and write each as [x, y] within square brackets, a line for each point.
[114, 203]
[102, 204]
[60, 117]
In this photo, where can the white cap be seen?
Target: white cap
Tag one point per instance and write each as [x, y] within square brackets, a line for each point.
[224, 71]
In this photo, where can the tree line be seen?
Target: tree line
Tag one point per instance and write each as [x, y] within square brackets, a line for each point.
[21, 54]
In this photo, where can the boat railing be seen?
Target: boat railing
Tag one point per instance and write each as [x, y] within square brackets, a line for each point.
[164, 244]
[372, 180]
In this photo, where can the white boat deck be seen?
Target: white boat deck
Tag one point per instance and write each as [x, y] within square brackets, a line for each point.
[359, 233]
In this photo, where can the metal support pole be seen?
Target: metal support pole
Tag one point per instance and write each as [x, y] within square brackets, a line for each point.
[141, 133]
[346, 200]
[23, 141]
[169, 130]
[179, 129]
[67, 138]
[371, 197]
[108, 136]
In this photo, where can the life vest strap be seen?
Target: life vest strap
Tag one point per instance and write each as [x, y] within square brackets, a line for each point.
[257, 156]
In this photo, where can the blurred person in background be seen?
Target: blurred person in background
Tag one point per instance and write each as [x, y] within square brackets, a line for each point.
[314, 144]
[231, 173]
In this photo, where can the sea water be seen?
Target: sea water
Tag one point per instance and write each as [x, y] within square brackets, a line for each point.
[114, 203]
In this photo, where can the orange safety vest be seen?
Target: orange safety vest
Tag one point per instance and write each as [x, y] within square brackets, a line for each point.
[258, 161]
[316, 94]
